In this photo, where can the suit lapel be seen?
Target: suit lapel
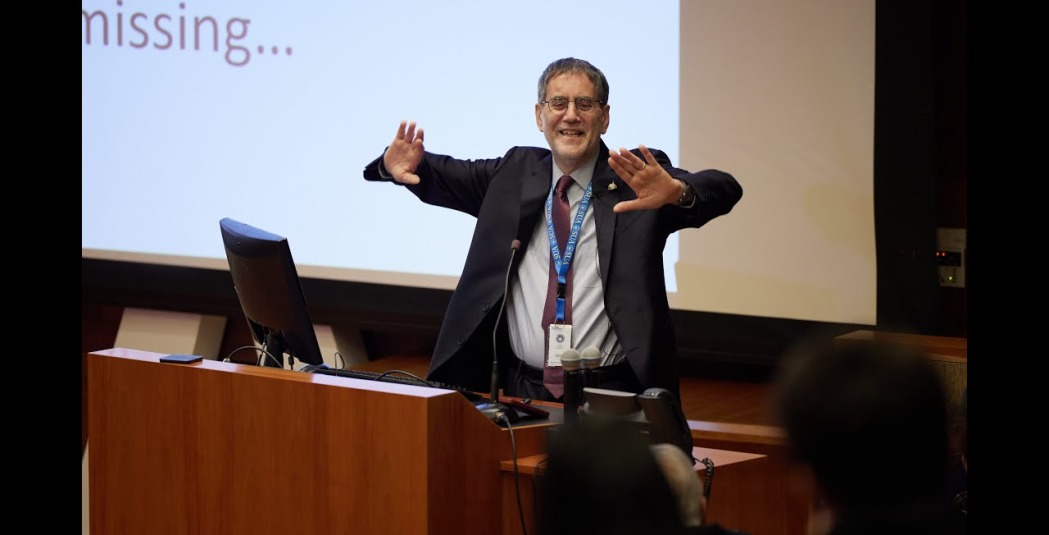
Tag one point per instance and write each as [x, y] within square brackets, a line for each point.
[606, 188]
[533, 197]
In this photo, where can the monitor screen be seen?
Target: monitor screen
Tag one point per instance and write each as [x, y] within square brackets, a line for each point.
[270, 294]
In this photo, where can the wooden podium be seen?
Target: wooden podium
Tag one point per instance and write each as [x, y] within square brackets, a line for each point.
[216, 447]
[225, 448]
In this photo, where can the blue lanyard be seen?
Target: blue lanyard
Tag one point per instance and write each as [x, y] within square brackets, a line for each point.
[562, 266]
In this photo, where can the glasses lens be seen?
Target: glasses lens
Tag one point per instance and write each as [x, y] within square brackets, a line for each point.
[582, 104]
[558, 103]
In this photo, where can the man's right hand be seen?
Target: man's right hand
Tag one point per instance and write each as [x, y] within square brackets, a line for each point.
[404, 153]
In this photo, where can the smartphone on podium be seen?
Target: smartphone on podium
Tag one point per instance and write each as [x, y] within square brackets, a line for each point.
[181, 359]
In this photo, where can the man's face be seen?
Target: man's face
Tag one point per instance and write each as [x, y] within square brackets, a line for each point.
[573, 136]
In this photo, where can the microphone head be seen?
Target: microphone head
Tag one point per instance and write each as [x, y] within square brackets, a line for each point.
[515, 245]
[570, 359]
[591, 357]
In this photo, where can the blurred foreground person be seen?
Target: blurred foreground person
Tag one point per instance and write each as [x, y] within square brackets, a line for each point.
[605, 478]
[869, 422]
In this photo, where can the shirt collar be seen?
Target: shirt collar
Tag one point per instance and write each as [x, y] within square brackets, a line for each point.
[581, 176]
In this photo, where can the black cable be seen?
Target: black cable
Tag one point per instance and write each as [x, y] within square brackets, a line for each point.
[494, 394]
[517, 481]
[708, 478]
[402, 372]
[268, 354]
[265, 349]
[340, 359]
[961, 501]
[258, 361]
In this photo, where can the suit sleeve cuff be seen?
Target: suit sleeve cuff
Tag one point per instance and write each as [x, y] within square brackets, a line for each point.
[381, 168]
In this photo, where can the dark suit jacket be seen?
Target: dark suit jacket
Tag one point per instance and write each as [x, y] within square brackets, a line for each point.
[507, 197]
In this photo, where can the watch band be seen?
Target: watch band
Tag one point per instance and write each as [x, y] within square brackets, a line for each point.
[688, 196]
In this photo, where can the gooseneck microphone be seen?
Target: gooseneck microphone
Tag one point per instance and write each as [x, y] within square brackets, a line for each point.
[492, 408]
[514, 246]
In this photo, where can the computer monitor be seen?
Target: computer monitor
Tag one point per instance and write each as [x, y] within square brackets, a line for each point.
[270, 294]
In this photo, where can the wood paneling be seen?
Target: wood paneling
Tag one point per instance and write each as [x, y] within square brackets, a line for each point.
[216, 447]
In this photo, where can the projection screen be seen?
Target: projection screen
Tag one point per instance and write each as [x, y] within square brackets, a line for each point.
[268, 113]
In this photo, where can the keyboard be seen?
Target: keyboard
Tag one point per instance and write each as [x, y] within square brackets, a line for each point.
[393, 377]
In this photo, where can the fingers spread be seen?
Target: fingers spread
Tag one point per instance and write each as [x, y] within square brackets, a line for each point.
[624, 171]
[631, 161]
[628, 157]
[648, 155]
[638, 163]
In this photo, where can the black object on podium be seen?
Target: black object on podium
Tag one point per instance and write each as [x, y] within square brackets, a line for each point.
[571, 363]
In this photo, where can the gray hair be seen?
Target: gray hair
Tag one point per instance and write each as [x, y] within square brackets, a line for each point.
[573, 65]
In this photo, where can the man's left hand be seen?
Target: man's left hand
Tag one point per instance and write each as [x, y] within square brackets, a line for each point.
[652, 184]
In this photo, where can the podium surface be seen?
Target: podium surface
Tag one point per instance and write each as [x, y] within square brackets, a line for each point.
[215, 447]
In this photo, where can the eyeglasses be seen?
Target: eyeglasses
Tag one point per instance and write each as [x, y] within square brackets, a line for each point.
[582, 104]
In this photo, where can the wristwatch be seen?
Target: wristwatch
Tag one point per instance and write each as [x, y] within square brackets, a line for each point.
[687, 198]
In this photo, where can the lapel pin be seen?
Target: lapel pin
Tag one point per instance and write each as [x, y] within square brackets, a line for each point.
[611, 186]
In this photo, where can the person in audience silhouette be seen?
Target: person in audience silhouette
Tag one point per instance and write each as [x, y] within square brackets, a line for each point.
[680, 473]
[869, 423]
[605, 477]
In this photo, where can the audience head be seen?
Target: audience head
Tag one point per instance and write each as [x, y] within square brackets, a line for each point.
[601, 477]
[869, 420]
[680, 473]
